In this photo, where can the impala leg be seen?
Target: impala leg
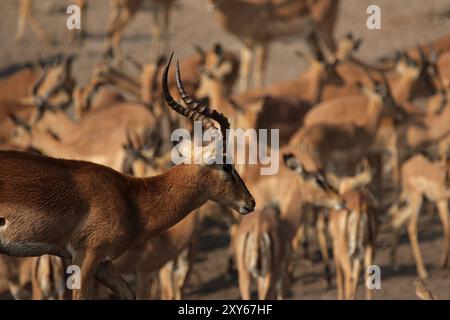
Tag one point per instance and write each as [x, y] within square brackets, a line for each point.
[112, 26]
[35, 25]
[87, 262]
[166, 278]
[185, 263]
[156, 34]
[154, 286]
[323, 245]
[313, 42]
[356, 270]
[265, 287]
[261, 55]
[443, 214]
[416, 203]
[368, 260]
[24, 12]
[141, 285]
[166, 25]
[246, 68]
[346, 267]
[338, 271]
[121, 23]
[244, 279]
[107, 274]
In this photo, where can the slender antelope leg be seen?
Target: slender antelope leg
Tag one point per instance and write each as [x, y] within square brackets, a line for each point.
[338, 271]
[87, 262]
[246, 68]
[416, 203]
[156, 33]
[154, 285]
[265, 288]
[261, 54]
[368, 258]
[244, 278]
[394, 246]
[346, 267]
[107, 274]
[115, 11]
[37, 27]
[393, 149]
[141, 285]
[166, 278]
[356, 270]
[166, 25]
[24, 12]
[123, 20]
[443, 214]
[323, 245]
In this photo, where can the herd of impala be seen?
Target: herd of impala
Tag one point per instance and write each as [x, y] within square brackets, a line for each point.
[86, 177]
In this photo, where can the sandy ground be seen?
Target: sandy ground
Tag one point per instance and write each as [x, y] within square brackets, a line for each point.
[405, 23]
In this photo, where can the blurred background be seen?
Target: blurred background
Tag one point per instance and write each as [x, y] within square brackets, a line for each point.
[405, 24]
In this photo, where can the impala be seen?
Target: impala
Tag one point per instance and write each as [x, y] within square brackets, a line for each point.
[260, 253]
[62, 202]
[257, 23]
[421, 177]
[122, 11]
[353, 231]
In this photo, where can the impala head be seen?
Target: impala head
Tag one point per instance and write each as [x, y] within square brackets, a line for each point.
[381, 91]
[346, 47]
[226, 186]
[212, 5]
[325, 67]
[54, 87]
[218, 67]
[407, 66]
[429, 81]
[316, 187]
[141, 149]
[422, 71]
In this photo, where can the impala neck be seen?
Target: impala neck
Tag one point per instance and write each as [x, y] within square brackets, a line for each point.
[312, 83]
[162, 201]
[402, 88]
[373, 114]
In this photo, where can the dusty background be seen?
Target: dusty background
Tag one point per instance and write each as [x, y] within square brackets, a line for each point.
[405, 23]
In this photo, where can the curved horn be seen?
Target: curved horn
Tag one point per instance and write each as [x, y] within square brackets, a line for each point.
[39, 81]
[188, 113]
[198, 107]
[422, 54]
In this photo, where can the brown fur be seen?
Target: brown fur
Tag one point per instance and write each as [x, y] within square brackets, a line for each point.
[260, 253]
[353, 231]
[423, 178]
[257, 23]
[77, 211]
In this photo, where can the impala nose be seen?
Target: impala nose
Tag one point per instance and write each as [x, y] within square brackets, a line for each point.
[247, 207]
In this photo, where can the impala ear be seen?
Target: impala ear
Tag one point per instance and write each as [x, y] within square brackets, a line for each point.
[218, 50]
[201, 53]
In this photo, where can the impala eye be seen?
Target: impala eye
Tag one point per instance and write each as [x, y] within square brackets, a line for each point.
[321, 182]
